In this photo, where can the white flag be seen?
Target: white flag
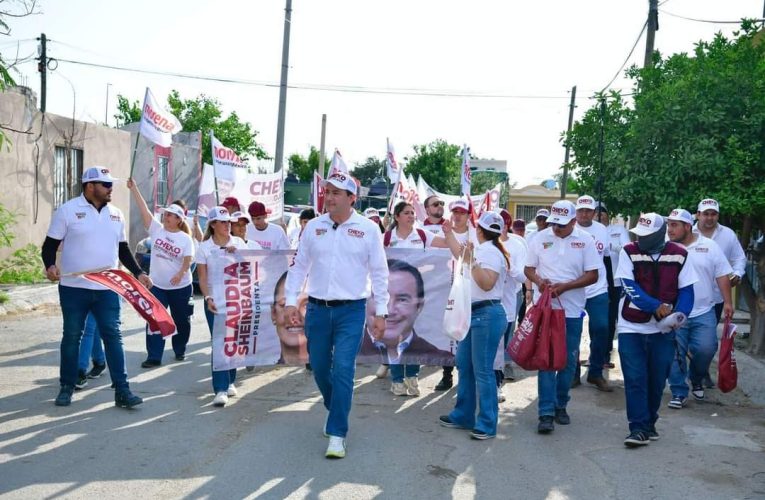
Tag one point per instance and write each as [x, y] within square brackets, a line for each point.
[223, 156]
[157, 125]
[338, 165]
[465, 176]
[394, 169]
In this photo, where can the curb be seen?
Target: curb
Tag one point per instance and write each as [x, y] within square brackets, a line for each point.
[28, 297]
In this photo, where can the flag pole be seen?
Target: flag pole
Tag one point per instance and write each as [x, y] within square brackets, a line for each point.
[215, 174]
[135, 150]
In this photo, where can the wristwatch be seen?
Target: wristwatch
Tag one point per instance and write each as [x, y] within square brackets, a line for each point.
[383, 316]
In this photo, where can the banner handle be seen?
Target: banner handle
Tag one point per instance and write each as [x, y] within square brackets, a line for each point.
[135, 150]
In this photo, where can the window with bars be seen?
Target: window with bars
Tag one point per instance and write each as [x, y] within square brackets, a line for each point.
[528, 212]
[67, 174]
[163, 171]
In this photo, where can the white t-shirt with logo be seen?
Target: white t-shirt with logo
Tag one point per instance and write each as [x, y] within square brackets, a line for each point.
[413, 240]
[617, 238]
[562, 260]
[436, 229]
[600, 236]
[707, 259]
[488, 256]
[518, 249]
[272, 237]
[206, 252]
[167, 253]
[90, 239]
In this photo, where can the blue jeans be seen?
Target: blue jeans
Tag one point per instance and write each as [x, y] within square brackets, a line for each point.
[646, 360]
[223, 378]
[104, 306]
[597, 311]
[475, 359]
[506, 339]
[398, 372]
[91, 346]
[178, 301]
[697, 338]
[334, 338]
[553, 387]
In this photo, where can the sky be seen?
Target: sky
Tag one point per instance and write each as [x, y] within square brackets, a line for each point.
[525, 55]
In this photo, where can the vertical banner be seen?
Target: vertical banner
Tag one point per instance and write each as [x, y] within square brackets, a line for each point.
[465, 178]
[244, 186]
[223, 156]
[317, 193]
[392, 165]
[157, 125]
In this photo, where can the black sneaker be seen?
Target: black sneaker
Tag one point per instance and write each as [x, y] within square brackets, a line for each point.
[698, 392]
[447, 422]
[180, 357]
[481, 436]
[126, 399]
[150, 363]
[653, 435]
[444, 384]
[546, 425]
[82, 381]
[96, 371]
[64, 397]
[308, 367]
[637, 438]
[561, 417]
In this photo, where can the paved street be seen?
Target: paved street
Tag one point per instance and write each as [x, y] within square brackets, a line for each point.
[267, 443]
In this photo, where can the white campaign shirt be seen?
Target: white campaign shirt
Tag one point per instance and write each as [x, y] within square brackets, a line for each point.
[599, 234]
[90, 239]
[627, 270]
[728, 242]
[167, 253]
[436, 229]
[488, 256]
[412, 240]
[564, 259]
[709, 263]
[617, 238]
[469, 234]
[517, 248]
[206, 255]
[339, 263]
[272, 237]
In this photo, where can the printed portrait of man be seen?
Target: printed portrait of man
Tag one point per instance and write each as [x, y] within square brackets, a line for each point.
[292, 339]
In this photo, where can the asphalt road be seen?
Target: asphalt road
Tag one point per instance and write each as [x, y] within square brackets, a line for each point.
[268, 442]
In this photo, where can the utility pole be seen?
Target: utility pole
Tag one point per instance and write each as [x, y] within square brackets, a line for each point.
[653, 27]
[106, 107]
[322, 152]
[564, 179]
[42, 67]
[283, 88]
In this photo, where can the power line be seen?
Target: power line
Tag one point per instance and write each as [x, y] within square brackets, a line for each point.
[706, 20]
[626, 60]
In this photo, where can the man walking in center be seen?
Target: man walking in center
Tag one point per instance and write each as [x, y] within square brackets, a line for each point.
[338, 253]
[434, 208]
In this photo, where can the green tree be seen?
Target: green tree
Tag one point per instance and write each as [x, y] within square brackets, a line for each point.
[303, 168]
[369, 170]
[439, 164]
[127, 112]
[482, 181]
[203, 114]
[694, 129]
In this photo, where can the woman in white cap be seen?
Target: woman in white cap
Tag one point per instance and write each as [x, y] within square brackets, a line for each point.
[172, 251]
[217, 237]
[475, 354]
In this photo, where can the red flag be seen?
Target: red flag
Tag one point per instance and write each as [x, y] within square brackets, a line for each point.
[139, 297]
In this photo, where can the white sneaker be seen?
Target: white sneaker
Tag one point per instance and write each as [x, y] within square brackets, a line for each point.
[412, 386]
[500, 397]
[221, 399]
[382, 372]
[398, 389]
[232, 392]
[336, 447]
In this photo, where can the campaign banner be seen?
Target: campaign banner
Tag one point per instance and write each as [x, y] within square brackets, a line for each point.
[223, 156]
[465, 176]
[317, 193]
[479, 201]
[392, 166]
[159, 319]
[157, 125]
[244, 186]
[251, 327]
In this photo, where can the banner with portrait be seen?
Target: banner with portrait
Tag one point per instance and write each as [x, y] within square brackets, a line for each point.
[242, 184]
[251, 329]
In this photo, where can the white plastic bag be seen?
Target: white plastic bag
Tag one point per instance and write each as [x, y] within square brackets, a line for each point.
[457, 315]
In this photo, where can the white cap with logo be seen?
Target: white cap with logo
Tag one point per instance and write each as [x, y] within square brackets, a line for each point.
[176, 210]
[341, 181]
[460, 205]
[218, 214]
[240, 215]
[97, 174]
[709, 204]
[543, 212]
[371, 212]
[681, 215]
[561, 212]
[585, 201]
[491, 221]
[648, 224]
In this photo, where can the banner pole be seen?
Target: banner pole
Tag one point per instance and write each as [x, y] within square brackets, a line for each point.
[215, 173]
[135, 150]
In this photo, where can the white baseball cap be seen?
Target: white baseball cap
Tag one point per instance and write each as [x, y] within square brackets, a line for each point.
[218, 214]
[585, 201]
[240, 215]
[543, 212]
[461, 204]
[97, 174]
[709, 204]
[371, 212]
[341, 181]
[561, 212]
[176, 210]
[491, 221]
[681, 215]
[648, 224]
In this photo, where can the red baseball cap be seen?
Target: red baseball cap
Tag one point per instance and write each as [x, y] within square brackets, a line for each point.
[257, 209]
[230, 202]
[506, 217]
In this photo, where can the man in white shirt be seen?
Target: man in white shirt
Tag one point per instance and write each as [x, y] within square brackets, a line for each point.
[269, 236]
[617, 238]
[697, 338]
[434, 208]
[658, 296]
[597, 294]
[339, 254]
[563, 258]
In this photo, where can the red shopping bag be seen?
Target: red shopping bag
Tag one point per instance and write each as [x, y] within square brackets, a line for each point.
[551, 352]
[727, 372]
[523, 345]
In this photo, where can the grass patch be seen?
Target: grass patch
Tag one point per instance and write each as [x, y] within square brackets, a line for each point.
[24, 266]
[4, 297]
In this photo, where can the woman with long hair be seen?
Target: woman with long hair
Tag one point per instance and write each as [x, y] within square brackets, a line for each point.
[490, 263]
[172, 251]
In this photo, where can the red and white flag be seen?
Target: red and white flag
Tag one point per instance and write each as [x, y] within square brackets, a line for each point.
[157, 125]
[394, 169]
[465, 177]
[317, 193]
[338, 165]
[223, 156]
[159, 319]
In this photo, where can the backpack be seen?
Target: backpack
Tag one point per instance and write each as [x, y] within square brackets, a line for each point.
[389, 234]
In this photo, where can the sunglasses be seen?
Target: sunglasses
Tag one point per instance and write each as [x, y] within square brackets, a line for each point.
[559, 226]
[437, 204]
[107, 185]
